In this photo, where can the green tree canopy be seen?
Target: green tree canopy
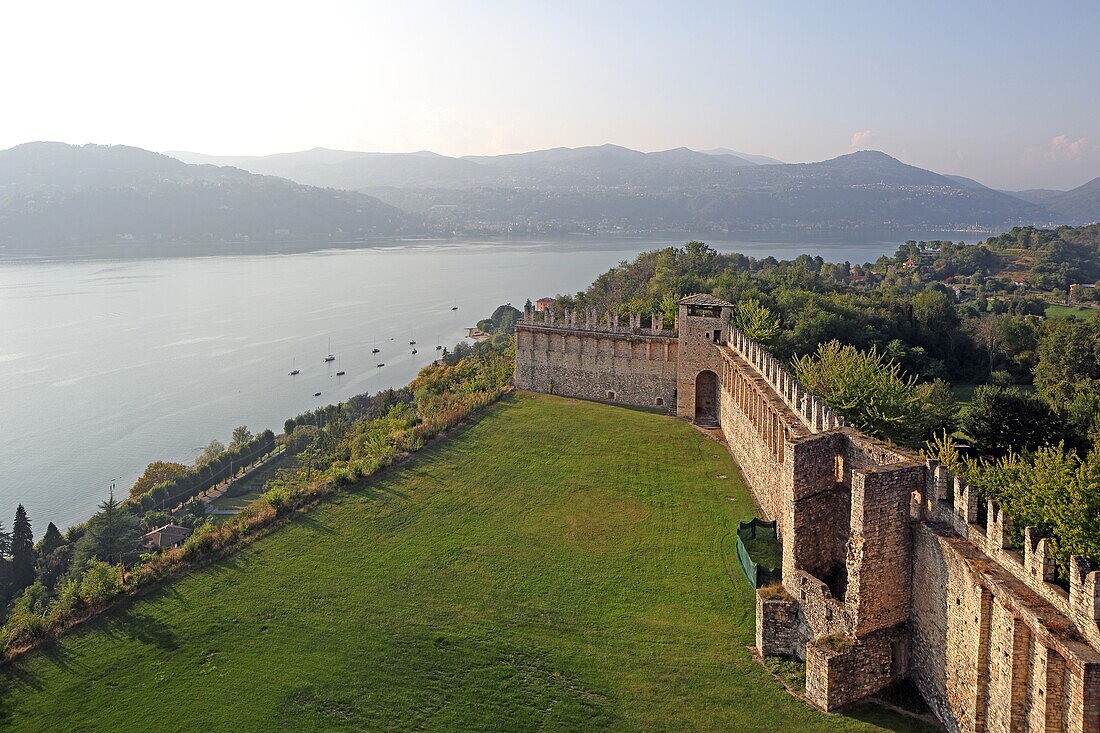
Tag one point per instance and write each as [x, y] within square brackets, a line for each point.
[241, 435]
[212, 450]
[999, 420]
[156, 472]
[756, 321]
[50, 541]
[111, 536]
[872, 394]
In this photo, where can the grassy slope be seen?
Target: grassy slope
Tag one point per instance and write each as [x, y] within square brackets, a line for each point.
[560, 565]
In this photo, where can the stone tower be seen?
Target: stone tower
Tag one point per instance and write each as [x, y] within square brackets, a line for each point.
[703, 323]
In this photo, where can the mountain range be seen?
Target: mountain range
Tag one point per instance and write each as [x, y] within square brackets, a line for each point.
[610, 186]
[52, 194]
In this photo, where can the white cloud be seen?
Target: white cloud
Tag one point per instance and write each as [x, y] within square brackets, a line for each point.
[1061, 149]
[860, 139]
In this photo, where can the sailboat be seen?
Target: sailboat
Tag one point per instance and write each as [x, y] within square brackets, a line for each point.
[293, 368]
[330, 357]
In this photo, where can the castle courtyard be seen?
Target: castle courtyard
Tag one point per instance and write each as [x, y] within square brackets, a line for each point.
[557, 565]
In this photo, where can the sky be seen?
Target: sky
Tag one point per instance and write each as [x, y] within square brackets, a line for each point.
[1002, 91]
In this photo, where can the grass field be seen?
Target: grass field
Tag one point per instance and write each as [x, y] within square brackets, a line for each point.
[963, 392]
[1061, 311]
[558, 566]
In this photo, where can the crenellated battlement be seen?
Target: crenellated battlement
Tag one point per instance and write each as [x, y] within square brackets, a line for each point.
[811, 409]
[957, 504]
[894, 567]
[595, 321]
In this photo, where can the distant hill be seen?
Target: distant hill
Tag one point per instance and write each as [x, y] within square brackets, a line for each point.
[613, 187]
[758, 159]
[599, 165]
[1081, 203]
[356, 170]
[1036, 195]
[971, 183]
[618, 187]
[58, 194]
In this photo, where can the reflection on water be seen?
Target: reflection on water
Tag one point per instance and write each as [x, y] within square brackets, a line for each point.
[110, 364]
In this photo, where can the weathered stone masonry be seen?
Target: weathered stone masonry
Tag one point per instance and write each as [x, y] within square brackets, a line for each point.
[890, 574]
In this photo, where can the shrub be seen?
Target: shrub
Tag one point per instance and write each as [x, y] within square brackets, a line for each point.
[836, 642]
[790, 670]
[774, 592]
[100, 583]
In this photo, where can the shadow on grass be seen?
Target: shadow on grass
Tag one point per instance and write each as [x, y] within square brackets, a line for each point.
[141, 627]
[872, 714]
[620, 405]
[310, 522]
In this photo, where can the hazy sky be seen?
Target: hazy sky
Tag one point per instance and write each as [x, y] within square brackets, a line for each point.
[1006, 92]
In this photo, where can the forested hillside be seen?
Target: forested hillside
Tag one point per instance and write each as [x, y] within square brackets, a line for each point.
[54, 195]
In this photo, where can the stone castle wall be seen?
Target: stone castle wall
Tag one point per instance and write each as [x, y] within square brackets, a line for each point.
[888, 572]
[590, 360]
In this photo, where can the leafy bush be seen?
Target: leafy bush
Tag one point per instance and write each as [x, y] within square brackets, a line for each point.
[100, 583]
[791, 670]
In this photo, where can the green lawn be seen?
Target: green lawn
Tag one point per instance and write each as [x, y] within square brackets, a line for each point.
[559, 565]
[248, 489]
[963, 392]
[1061, 311]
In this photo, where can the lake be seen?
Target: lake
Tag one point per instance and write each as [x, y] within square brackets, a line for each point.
[112, 363]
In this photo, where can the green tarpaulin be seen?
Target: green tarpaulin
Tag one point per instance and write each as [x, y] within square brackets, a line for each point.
[757, 575]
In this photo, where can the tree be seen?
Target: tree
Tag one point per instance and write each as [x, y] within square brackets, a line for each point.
[303, 437]
[755, 321]
[934, 311]
[871, 393]
[987, 333]
[51, 567]
[156, 472]
[5, 542]
[50, 541]
[241, 435]
[310, 459]
[504, 318]
[669, 309]
[1052, 489]
[999, 420]
[22, 551]
[213, 449]
[111, 536]
[100, 582]
[1069, 361]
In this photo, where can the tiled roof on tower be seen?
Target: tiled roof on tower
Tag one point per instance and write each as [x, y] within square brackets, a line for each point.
[704, 299]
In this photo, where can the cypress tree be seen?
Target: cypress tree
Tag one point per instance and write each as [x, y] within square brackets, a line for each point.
[50, 541]
[22, 551]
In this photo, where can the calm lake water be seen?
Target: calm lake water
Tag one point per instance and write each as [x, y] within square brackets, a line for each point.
[109, 364]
